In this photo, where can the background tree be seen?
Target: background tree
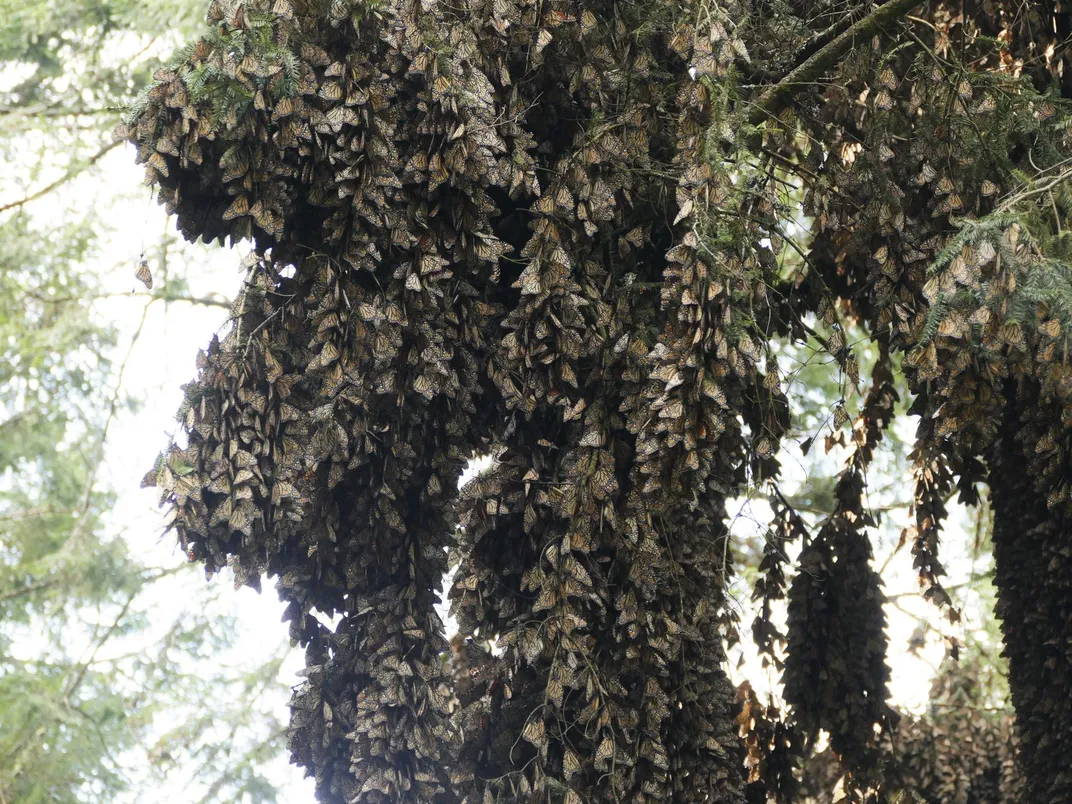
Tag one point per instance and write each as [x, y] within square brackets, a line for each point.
[556, 232]
[104, 687]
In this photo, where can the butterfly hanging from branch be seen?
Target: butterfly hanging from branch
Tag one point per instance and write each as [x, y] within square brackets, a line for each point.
[143, 274]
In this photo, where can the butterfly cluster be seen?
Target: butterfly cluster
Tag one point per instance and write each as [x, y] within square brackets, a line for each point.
[445, 203]
[931, 235]
[550, 231]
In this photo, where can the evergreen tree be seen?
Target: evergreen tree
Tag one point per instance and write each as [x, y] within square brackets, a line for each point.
[102, 677]
[556, 232]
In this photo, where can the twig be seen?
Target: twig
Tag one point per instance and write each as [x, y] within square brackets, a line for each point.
[70, 174]
[72, 686]
[214, 300]
[29, 590]
[15, 419]
[33, 513]
[258, 328]
[1023, 195]
[98, 457]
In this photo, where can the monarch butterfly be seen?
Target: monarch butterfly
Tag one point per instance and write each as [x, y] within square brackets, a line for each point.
[605, 751]
[571, 764]
[329, 353]
[331, 91]
[837, 341]
[581, 542]
[952, 326]
[157, 161]
[385, 383]
[1051, 328]
[262, 216]
[884, 101]
[534, 732]
[952, 203]
[316, 56]
[840, 416]
[988, 188]
[987, 252]
[423, 386]
[674, 410]
[588, 22]
[167, 146]
[604, 481]
[370, 312]
[958, 268]
[339, 117]
[238, 207]
[888, 79]
[712, 391]
[381, 347]
[852, 368]
[441, 87]
[545, 204]
[284, 108]
[143, 275]
[556, 692]
[529, 281]
[339, 10]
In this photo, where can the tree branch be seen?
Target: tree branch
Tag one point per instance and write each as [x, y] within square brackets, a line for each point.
[213, 300]
[29, 590]
[66, 177]
[769, 103]
[33, 513]
[78, 531]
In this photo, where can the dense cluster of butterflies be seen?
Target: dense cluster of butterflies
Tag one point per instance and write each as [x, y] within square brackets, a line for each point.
[962, 749]
[522, 227]
[918, 233]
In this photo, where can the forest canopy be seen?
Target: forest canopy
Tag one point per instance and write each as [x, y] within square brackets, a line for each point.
[582, 237]
[123, 676]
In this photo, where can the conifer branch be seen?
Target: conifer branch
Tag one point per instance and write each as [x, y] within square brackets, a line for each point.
[770, 101]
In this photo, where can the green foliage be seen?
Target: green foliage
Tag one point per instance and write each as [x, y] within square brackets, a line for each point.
[98, 663]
